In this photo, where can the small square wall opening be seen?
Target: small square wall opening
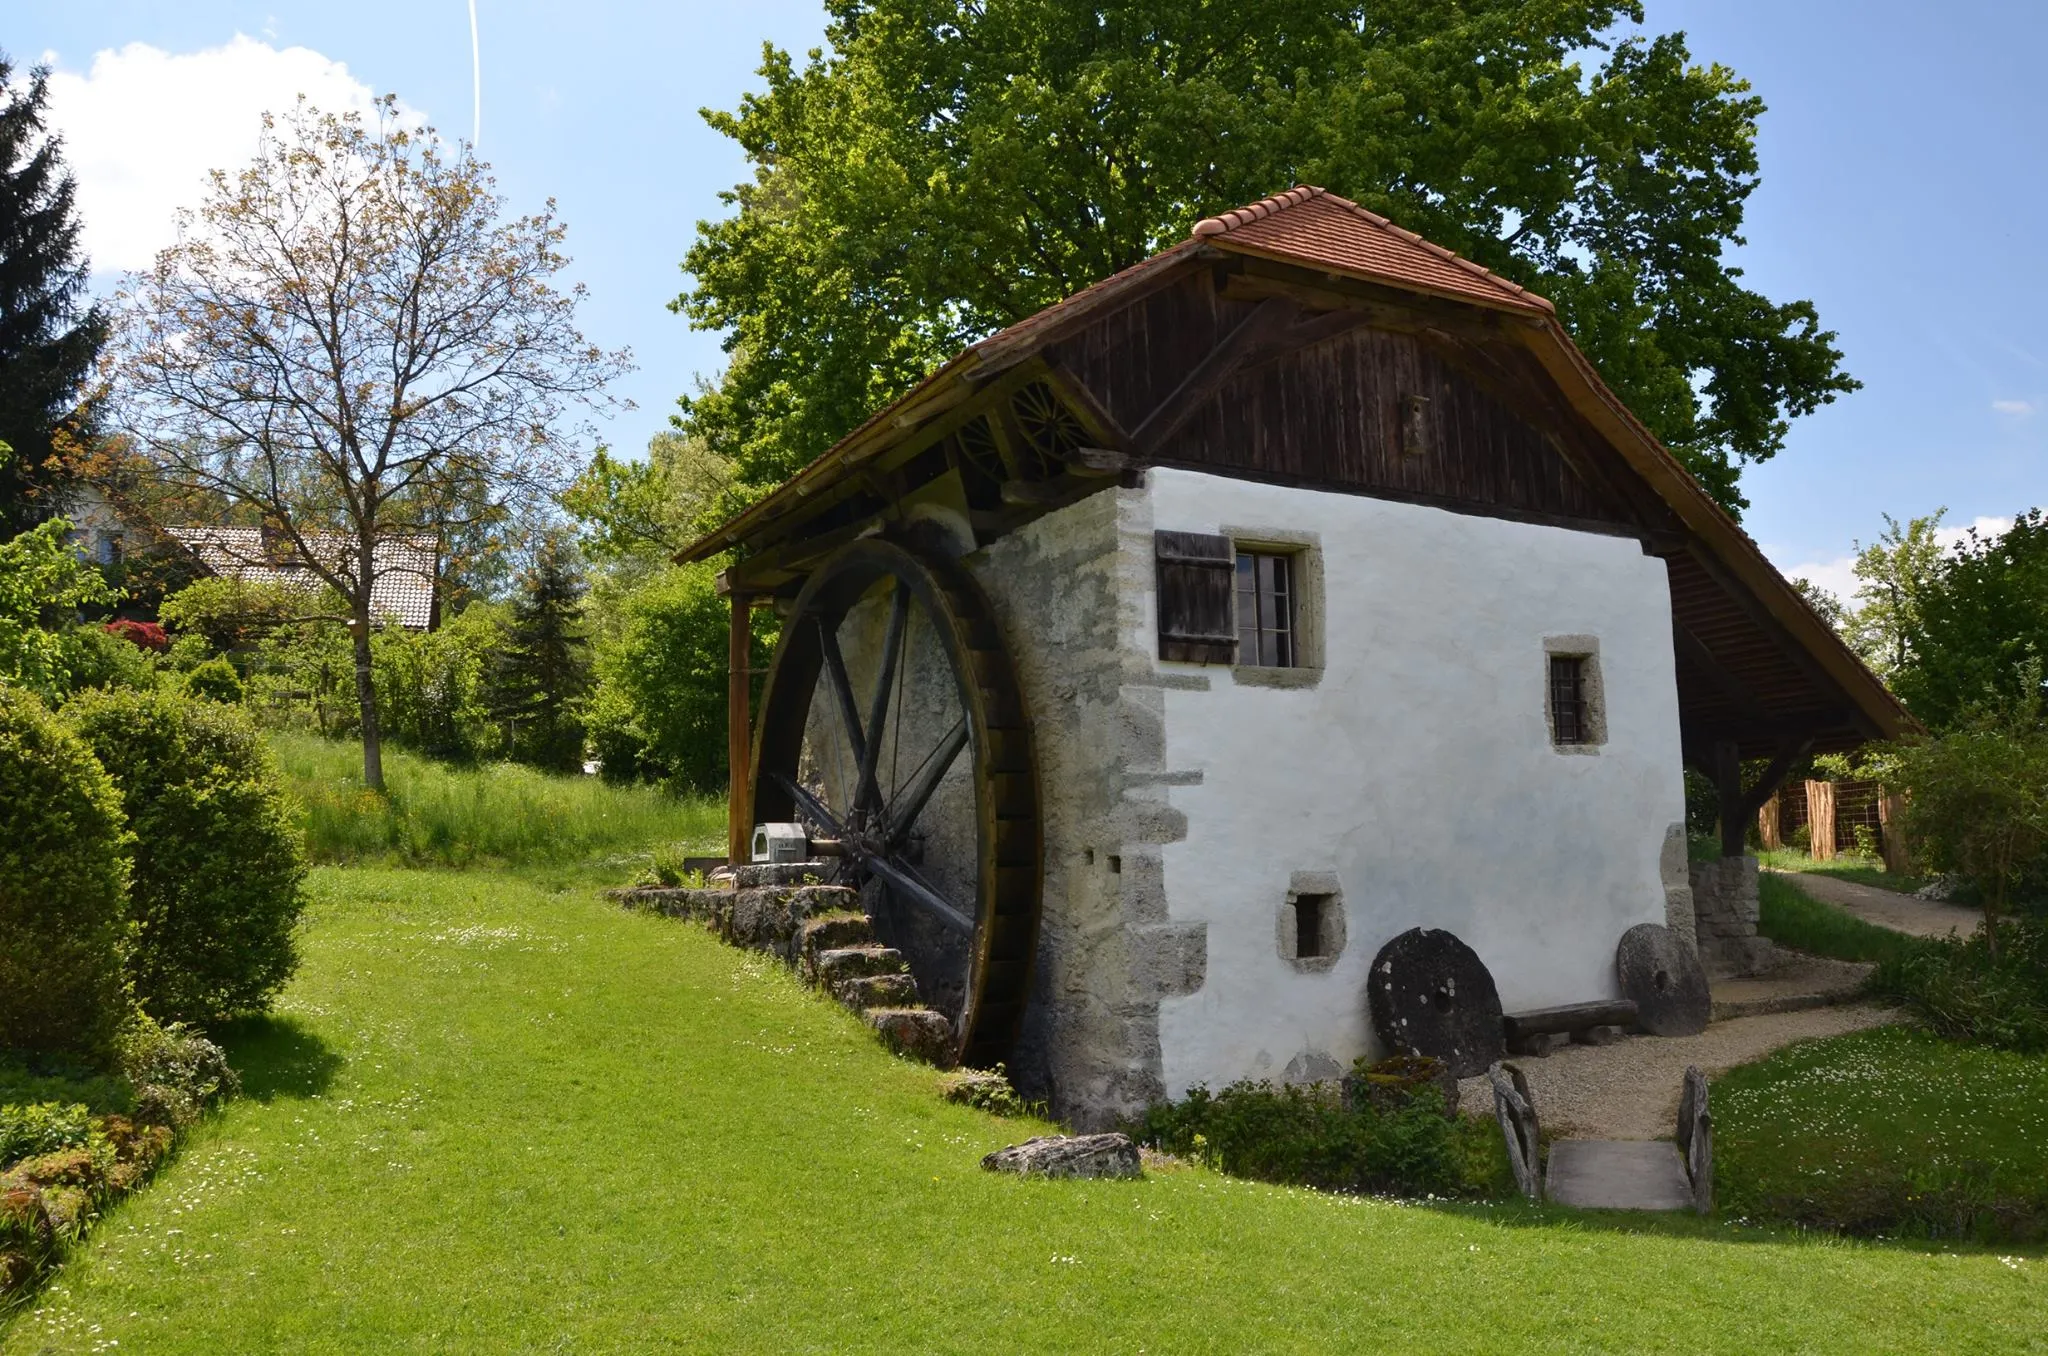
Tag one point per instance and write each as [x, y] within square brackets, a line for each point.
[1309, 914]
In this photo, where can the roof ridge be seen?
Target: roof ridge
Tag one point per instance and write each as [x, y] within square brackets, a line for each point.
[1264, 207]
[1301, 193]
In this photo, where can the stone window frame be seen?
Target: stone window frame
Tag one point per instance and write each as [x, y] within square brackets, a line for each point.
[1594, 692]
[1305, 563]
[1286, 930]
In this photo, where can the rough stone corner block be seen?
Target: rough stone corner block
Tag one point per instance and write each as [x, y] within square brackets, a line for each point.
[919, 1033]
[1110, 1155]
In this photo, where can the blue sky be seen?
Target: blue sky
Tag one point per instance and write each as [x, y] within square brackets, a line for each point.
[1903, 189]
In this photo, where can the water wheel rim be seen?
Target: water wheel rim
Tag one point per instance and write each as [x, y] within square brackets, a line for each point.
[1009, 869]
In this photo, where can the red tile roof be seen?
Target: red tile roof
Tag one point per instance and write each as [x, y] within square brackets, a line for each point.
[1316, 226]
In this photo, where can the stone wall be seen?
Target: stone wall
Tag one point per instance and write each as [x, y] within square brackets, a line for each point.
[1725, 912]
[1068, 588]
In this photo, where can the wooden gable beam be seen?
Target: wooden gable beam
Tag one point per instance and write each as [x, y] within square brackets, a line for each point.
[1208, 376]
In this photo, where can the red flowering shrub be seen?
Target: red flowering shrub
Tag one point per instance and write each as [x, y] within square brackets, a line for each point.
[141, 634]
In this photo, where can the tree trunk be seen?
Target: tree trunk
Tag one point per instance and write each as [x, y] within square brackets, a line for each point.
[1767, 821]
[366, 701]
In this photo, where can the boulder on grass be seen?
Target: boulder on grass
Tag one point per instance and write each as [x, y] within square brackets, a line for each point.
[1111, 1155]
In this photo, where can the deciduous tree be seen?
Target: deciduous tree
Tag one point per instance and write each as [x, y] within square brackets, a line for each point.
[1893, 574]
[948, 167]
[349, 340]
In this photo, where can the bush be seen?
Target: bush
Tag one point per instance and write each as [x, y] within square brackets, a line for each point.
[218, 861]
[433, 687]
[143, 635]
[64, 929]
[1968, 991]
[659, 709]
[94, 657]
[42, 1128]
[1312, 1135]
[215, 681]
[176, 1072]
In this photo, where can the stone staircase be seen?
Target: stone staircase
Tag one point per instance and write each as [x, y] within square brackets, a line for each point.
[820, 932]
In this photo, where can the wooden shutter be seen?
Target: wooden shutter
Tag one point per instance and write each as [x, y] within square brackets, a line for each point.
[1197, 574]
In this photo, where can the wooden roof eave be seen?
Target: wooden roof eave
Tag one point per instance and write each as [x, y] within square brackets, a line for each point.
[959, 379]
[1712, 527]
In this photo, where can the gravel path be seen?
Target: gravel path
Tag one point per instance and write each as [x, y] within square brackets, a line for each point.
[1629, 1090]
[1888, 908]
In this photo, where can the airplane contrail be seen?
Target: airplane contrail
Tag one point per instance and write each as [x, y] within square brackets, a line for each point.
[476, 82]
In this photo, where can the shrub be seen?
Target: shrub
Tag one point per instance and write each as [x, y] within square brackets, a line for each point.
[176, 1072]
[143, 635]
[433, 688]
[64, 930]
[215, 681]
[1312, 1135]
[218, 862]
[94, 657]
[42, 1128]
[1969, 991]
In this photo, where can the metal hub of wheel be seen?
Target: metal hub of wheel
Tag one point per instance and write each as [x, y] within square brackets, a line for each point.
[892, 724]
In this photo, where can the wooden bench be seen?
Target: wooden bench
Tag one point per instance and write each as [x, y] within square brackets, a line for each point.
[1539, 1031]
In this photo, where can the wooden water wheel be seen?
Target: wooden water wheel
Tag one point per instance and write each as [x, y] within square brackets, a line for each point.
[916, 758]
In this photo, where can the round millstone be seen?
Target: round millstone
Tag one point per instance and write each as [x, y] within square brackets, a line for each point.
[1661, 973]
[1430, 994]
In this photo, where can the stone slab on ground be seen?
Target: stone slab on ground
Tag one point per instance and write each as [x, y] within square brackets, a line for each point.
[1629, 1090]
[1888, 908]
[1617, 1174]
[1797, 983]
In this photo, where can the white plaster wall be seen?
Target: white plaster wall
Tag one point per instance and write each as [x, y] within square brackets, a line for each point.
[1419, 771]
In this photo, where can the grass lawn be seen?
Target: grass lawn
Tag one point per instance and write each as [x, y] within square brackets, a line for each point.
[435, 814]
[1892, 1130]
[1791, 917]
[1862, 870]
[496, 1117]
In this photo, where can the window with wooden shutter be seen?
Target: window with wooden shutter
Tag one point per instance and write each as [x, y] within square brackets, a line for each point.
[1197, 574]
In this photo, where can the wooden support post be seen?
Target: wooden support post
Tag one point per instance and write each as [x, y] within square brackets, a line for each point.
[1820, 821]
[1728, 786]
[739, 745]
[1768, 824]
[1891, 822]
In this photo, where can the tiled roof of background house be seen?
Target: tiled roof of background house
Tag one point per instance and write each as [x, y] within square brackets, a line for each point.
[407, 565]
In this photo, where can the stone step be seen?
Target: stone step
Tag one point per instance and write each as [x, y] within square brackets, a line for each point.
[757, 874]
[672, 901]
[861, 992]
[1803, 983]
[848, 962]
[833, 932]
[919, 1033]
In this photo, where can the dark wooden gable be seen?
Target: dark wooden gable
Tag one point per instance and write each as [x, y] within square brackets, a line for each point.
[1331, 398]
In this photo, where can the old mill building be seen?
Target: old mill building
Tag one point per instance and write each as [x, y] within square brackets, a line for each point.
[1159, 658]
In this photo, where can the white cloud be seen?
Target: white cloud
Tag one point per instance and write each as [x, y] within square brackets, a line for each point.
[2016, 407]
[143, 126]
[1838, 574]
[1984, 525]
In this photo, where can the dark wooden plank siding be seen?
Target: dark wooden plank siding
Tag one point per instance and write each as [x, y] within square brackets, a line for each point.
[1328, 415]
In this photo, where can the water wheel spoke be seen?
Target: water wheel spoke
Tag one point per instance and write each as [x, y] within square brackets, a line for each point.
[910, 804]
[811, 807]
[842, 687]
[909, 884]
[898, 875]
[868, 794]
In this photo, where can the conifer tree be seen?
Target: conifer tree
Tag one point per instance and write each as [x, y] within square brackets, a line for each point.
[48, 340]
[545, 670]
